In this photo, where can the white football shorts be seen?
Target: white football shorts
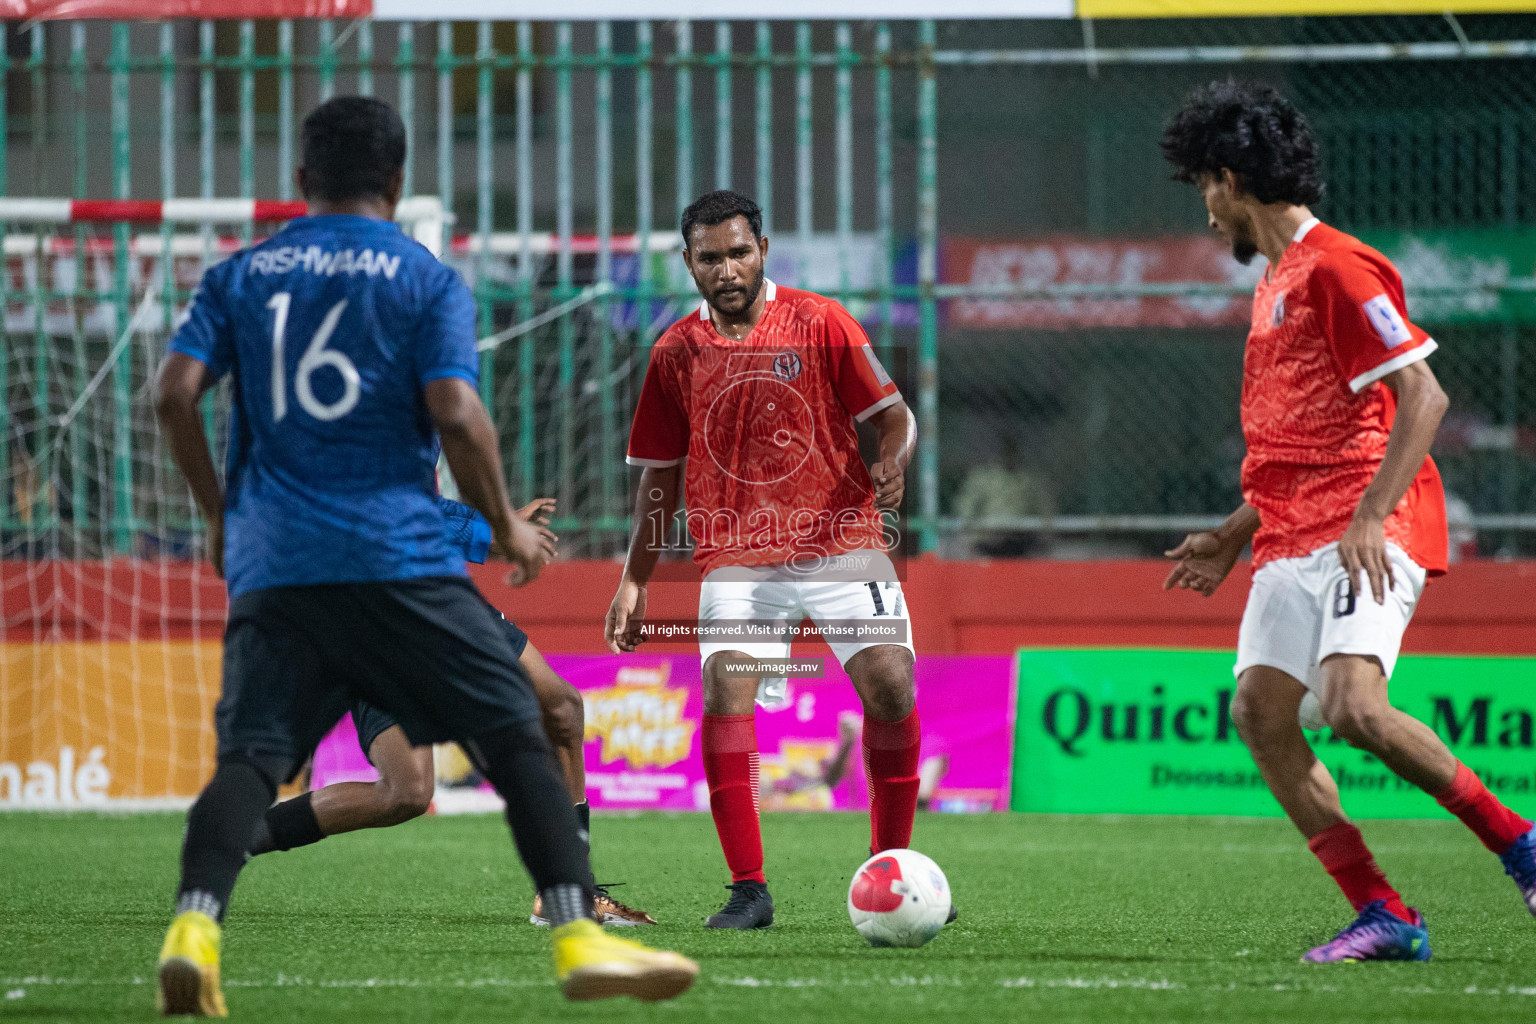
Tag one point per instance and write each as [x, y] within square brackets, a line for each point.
[781, 596]
[1301, 610]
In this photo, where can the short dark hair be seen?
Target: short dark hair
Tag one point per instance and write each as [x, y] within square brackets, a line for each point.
[1251, 130]
[717, 207]
[353, 148]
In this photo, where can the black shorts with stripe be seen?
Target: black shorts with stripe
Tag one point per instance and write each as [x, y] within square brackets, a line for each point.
[430, 653]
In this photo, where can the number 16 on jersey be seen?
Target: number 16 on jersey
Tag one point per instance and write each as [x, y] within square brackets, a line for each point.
[315, 356]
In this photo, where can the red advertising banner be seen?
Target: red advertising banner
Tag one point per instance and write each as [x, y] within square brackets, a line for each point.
[130, 10]
[1046, 262]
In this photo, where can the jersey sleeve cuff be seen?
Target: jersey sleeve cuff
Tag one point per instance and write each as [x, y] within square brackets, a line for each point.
[444, 372]
[206, 358]
[884, 403]
[635, 460]
[479, 546]
[1392, 365]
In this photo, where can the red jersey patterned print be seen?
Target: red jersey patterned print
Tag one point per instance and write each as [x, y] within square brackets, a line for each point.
[1329, 322]
[767, 427]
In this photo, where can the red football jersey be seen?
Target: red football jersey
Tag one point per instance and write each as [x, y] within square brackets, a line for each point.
[767, 426]
[1329, 321]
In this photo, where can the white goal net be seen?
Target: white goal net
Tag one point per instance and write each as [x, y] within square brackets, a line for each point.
[109, 638]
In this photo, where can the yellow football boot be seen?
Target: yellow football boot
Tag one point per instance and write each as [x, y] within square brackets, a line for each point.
[189, 968]
[591, 964]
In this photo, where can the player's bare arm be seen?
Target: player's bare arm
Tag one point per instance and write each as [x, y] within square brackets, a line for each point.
[469, 445]
[1205, 558]
[180, 386]
[1420, 406]
[654, 506]
[896, 428]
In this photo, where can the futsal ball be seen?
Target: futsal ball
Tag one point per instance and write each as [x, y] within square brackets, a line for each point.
[898, 898]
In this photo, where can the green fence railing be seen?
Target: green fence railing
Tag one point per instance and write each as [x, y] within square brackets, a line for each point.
[563, 153]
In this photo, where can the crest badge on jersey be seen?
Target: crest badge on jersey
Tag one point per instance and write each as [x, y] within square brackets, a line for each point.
[1389, 323]
[1277, 311]
[786, 366]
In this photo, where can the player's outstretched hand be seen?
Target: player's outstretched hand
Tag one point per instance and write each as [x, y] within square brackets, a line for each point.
[1363, 548]
[1204, 562]
[529, 548]
[621, 630]
[539, 511]
[890, 484]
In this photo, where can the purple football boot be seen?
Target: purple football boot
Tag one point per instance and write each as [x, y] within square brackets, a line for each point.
[1377, 934]
[1520, 864]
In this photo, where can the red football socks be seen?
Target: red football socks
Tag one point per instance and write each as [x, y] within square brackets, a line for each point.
[730, 766]
[1342, 850]
[1482, 812]
[890, 765]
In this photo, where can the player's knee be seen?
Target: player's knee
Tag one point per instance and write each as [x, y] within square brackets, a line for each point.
[726, 694]
[565, 717]
[888, 691]
[1357, 723]
[1245, 712]
[883, 676]
[407, 798]
[714, 673]
[1258, 721]
[890, 704]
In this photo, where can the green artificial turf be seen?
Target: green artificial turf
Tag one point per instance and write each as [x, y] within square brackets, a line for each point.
[1130, 919]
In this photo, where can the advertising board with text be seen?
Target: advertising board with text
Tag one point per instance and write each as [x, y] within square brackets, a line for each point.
[1150, 732]
[644, 714]
[1453, 276]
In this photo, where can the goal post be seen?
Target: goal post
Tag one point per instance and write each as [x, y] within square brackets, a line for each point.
[109, 638]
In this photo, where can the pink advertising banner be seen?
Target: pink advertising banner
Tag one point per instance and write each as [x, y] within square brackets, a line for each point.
[643, 719]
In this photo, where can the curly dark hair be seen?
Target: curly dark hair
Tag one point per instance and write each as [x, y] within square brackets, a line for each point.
[1251, 130]
[717, 207]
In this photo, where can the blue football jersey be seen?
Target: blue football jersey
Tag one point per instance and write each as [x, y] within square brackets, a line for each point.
[330, 329]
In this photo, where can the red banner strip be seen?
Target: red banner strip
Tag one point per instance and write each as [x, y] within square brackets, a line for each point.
[149, 211]
[135, 10]
[279, 209]
[136, 211]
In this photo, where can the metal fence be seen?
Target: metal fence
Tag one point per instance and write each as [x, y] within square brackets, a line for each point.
[987, 197]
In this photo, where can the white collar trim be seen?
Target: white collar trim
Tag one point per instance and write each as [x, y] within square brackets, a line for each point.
[1306, 226]
[769, 287]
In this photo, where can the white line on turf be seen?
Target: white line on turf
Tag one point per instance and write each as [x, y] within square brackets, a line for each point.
[1160, 985]
[896, 981]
